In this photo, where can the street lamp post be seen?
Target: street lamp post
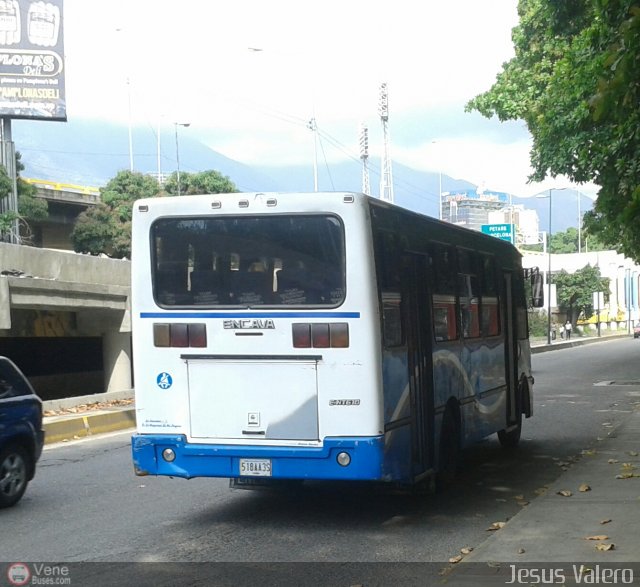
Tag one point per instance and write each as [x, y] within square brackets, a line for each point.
[549, 274]
[543, 195]
[628, 294]
[177, 124]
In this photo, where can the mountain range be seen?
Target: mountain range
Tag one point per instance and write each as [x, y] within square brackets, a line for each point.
[89, 152]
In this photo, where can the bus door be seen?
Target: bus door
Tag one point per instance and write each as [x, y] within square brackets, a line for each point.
[417, 318]
[510, 349]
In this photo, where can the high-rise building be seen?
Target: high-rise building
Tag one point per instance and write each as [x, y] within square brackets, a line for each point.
[471, 208]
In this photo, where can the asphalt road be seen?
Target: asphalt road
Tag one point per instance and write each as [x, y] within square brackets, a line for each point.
[85, 504]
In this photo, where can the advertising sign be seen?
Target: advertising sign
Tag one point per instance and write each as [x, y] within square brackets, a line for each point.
[501, 231]
[31, 60]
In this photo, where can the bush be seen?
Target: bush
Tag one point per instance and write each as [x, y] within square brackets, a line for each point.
[538, 323]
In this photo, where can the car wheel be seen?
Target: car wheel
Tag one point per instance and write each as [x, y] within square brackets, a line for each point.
[15, 464]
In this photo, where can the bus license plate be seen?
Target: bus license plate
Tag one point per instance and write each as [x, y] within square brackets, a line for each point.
[255, 467]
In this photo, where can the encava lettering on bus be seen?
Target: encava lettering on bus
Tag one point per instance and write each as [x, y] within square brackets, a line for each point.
[249, 324]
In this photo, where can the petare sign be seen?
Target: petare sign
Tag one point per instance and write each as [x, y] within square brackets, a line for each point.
[501, 231]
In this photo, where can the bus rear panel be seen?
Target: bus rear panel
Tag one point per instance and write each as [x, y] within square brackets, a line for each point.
[254, 344]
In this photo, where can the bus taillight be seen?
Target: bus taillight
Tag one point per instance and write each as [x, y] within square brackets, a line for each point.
[301, 336]
[320, 336]
[180, 335]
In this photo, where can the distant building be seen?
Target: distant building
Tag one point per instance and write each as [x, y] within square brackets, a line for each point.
[471, 209]
[526, 223]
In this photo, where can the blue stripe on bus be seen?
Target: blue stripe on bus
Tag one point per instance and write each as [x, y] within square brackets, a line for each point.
[250, 315]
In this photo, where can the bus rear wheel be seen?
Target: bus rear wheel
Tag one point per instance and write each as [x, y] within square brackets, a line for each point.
[510, 437]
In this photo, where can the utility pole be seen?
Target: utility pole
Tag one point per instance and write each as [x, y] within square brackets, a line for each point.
[313, 127]
[364, 155]
[386, 181]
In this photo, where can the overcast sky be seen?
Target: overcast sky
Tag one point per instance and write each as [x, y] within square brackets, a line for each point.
[196, 61]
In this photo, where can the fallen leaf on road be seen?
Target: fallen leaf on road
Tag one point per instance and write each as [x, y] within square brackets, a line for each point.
[520, 497]
[628, 466]
[605, 521]
[613, 461]
[523, 503]
[605, 547]
[627, 475]
[496, 526]
[455, 559]
[584, 487]
[466, 549]
[521, 550]
[565, 493]
[541, 491]
[597, 537]
[589, 453]
[633, 453]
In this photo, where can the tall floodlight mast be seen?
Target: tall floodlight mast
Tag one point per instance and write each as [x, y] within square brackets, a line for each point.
[364, 155]
[386, 181]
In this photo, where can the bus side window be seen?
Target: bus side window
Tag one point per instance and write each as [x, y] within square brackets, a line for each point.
[392, 319]
[468, 293]
[443, 299]
[490, 318]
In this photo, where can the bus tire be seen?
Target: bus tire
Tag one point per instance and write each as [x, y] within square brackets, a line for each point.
[449, 450]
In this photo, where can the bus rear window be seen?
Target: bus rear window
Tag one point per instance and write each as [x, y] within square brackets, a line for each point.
[295, 260]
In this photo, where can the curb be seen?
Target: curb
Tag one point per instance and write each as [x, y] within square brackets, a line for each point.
[60, 429]
[575, 343]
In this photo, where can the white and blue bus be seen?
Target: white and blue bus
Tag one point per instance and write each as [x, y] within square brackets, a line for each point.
[323, 336]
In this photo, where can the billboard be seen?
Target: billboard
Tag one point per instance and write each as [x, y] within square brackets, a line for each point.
[32, 60]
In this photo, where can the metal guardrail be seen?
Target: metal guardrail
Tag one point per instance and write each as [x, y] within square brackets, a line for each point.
[63, 187]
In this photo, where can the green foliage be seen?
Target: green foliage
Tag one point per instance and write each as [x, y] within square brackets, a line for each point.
[206, 182]
[106, 228]
[573, 80]
[537, 323]
[575, 290]
[30, 207]
[567, 242]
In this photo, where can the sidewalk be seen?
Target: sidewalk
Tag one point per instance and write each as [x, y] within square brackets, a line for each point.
[79, 417]
[604, 506]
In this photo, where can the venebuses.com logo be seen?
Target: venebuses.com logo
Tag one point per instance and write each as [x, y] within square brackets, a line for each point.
[20, 574]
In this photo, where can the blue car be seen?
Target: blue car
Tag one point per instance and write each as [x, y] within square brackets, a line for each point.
[21, 433]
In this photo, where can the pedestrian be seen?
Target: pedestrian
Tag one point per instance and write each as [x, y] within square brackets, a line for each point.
[567, 329]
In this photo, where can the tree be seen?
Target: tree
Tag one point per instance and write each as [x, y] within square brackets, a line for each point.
[575, 291]
[106, 228]
[573, 80]
[205, 182]
[30, 207]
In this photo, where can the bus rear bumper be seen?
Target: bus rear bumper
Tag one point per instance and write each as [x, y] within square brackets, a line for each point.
[206, 460]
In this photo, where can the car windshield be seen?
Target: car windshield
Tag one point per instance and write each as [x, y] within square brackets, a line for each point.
[249, 261]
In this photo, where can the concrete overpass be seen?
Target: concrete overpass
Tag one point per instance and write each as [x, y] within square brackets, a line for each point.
[65, 319]
[66, 202]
